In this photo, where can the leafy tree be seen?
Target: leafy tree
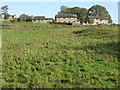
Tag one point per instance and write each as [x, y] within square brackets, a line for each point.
[89, 20]
[29, 19]
[19, 19]
[82, 15]
[4, 10]
[23, 17]
[80, 12]
[63, 9]
[100, 11]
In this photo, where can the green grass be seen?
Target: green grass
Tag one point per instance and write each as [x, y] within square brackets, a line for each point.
[75, 57]
[24, 23]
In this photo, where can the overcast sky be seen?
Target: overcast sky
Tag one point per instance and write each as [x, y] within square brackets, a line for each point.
[49, 9]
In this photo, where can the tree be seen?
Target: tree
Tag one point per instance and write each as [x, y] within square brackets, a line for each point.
[63, 9]
[29, 19]
[19, 19]
[82, 15]
[23, 17]
[100, 11]
[80, 12]
[4, 10]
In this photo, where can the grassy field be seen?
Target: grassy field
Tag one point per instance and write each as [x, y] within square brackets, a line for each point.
[71, 57]
[24, 23]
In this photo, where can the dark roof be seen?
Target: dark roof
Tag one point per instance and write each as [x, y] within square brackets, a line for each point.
[66, 16]
[96, 17]
[42, 18]
[48, 18]
[38, 17]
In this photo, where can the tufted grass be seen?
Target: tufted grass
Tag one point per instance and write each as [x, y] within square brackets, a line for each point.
[75, 57]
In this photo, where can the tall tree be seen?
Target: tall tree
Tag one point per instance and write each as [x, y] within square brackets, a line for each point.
[80, 12]
[100, 11]
[63, 9]
[4, 10]
[83, 15]
[23, 15]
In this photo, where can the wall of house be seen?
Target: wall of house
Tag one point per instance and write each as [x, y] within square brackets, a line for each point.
[71, 20]
[45, 21]
[42, 21]
[76, 23]
[9, 19]
[98, 21]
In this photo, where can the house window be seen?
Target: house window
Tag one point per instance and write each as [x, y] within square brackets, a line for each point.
[97, 23]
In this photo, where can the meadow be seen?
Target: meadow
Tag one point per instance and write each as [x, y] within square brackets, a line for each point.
[64, 57]
[25, 24]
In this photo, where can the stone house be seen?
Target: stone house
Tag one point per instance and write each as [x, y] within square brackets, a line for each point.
[67, 18]
[99, 20]
[10, 18]
[41, 19]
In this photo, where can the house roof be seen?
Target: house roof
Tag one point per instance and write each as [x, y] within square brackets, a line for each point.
[65, 16]
[38, 17]
[48, 18]
[12, 15]
[41, 18]
[96, 17]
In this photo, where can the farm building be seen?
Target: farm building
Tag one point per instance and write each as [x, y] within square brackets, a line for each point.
[41, 19]
[98, 20]
[67, 18]
[10, 18]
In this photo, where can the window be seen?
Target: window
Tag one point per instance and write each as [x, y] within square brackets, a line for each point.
[97, 23]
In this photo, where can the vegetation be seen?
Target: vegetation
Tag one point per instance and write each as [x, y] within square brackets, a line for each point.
[25, 23]
[75, 57]
[80, 12]
[4, 10]
[98, 10]
[83, 13]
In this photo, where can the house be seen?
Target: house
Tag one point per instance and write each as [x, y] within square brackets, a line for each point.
[98, 20]
[67, 18]
[41, 19]
[10, 18]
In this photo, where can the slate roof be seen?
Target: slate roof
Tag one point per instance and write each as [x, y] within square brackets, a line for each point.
[38, 17]
[48, 18]
[66, 16]
[41, 18]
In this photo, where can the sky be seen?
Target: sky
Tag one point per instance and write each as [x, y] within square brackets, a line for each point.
[50, 9]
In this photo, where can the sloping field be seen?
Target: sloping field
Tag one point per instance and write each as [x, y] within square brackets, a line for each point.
[66, 57]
